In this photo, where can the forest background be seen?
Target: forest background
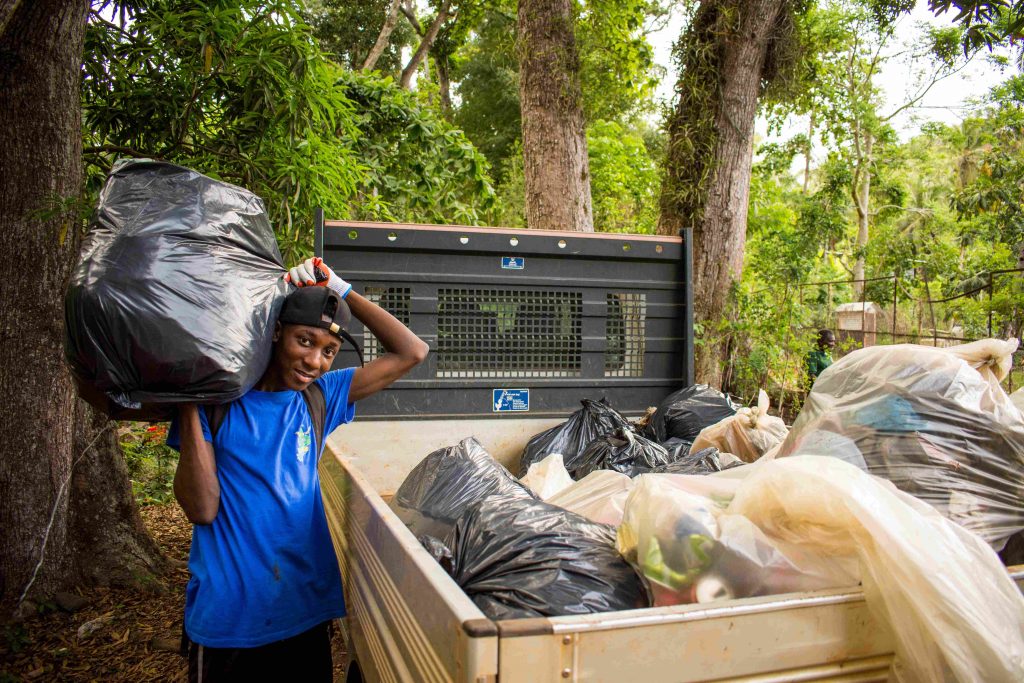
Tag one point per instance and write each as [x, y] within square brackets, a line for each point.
[537, 113]
[394, 110]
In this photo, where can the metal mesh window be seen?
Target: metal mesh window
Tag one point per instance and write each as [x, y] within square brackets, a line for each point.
[625, 333]
[502, 333]
[394, 300]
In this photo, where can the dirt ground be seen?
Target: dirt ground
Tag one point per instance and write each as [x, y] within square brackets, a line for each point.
[139, 633]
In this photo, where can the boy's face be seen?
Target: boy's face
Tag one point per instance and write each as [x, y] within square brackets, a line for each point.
[301, 354]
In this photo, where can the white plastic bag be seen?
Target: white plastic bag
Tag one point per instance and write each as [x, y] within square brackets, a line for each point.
[748, 434]
[600, 496]
[933, 421]
[548, 476]
[952, 608]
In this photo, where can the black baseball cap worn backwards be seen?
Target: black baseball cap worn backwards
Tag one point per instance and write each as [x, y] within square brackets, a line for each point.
[319, 307]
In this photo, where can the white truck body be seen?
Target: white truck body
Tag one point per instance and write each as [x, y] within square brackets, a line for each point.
[409, 621]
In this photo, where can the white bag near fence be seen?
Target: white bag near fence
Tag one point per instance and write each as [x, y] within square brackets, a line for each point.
[748, 434]
[933, 421]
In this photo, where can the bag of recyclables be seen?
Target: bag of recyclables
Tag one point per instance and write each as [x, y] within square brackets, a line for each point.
[933, 421]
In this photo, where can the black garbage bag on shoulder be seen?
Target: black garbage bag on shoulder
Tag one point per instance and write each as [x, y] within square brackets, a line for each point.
[175, 294]
[440, 488]
[593, 420]
[622, 451]
[520, 558]
[683, 414]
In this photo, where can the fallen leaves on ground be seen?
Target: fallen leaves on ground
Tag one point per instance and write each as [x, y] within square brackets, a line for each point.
[134, 633]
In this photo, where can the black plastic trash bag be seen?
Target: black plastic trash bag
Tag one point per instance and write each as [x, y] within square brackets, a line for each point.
[517, 558]
[175, 295]
[622, 451]
[439, 489]
[704, 461]
[592, 421]
[685, 413]
[677, 448]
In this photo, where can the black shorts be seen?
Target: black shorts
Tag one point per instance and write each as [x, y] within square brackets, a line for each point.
[305, 657]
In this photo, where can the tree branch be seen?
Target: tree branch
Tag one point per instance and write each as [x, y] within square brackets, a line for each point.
[383, 37]
[119, 149]
[428, 40]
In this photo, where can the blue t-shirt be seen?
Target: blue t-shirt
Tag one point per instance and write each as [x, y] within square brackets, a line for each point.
[265, 569]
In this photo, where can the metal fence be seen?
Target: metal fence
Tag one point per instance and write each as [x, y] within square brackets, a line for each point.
[926, 324]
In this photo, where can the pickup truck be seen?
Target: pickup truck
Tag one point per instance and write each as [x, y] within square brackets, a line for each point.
[521, 327]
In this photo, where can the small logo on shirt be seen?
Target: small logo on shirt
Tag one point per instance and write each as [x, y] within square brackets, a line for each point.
[302, 447]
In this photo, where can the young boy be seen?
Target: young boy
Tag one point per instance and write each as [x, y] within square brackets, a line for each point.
[265, 582]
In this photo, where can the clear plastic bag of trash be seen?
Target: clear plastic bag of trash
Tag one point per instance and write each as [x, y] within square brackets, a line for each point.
[175, 295]
[520, 558]
[748, 434]
[445, 483]
[548, 477]
[593, 420]
[685, 413]
[677, 530]
[933, 421]
[622, 451]
[952, 608]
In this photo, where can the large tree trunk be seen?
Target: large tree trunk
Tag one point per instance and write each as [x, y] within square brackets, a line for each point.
[555, 163]
[710, 150]
[48, 516]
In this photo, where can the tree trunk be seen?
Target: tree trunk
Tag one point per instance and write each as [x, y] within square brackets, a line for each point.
[444, 87]
[808, 148]
[555, 163]
[710, 151]
[861, 199]
[383, 37]
[425, 43]
[48, 516]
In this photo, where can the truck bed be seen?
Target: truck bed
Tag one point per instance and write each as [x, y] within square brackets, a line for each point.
[409, 621]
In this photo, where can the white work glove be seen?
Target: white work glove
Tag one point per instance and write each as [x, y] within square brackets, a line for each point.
[305, 275]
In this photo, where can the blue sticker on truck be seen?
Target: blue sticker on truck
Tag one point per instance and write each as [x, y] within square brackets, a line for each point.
[513, 262]
[510, 400]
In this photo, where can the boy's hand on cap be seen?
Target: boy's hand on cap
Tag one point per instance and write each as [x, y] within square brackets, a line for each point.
[314, 272]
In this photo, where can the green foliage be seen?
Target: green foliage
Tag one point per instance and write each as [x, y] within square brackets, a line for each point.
[510, 208]
[617, 72]
[419, 168]
[616, 61]
[488, 76]
[623, 180]
[994, 191]
[240, 91]
[151, 463]
[346, 31]
[985, 23]
[236, 90]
